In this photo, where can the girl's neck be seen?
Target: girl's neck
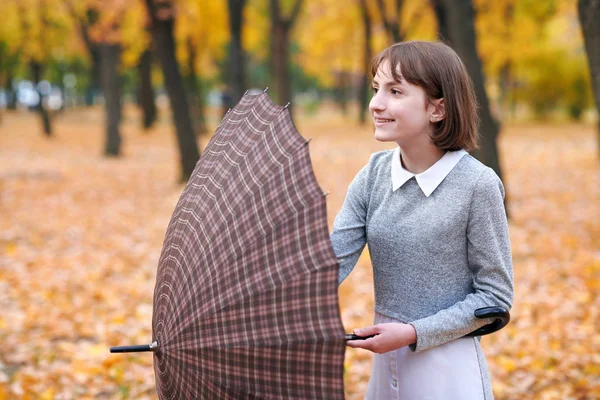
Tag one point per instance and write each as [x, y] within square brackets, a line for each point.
[419, 158]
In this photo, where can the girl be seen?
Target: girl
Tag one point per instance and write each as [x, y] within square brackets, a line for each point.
[434, 220]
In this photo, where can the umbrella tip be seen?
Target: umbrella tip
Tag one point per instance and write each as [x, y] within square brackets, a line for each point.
[135, 349]
[325, 194]
[265, 91]
[287, 105]
[246, 92]
[229, 109]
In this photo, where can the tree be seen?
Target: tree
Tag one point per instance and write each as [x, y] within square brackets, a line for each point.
[280, 37]
[236, 51]
[110, 56]
[589, 16]
[332, 49]
[515, 39]
[35, 27]
[401, 19]
[367, 55]
[201, 35]
[162, 17]
[194, 90]
[460, 20]
[440, 14]
[9, 63]
[145, 90]
[106, 34]
[84, 17]
[391, 20]
[114, 39]
[37, 70]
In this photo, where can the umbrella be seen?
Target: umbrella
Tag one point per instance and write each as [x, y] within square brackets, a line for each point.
[245, 302]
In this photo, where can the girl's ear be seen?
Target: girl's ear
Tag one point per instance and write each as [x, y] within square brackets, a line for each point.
[438, 110]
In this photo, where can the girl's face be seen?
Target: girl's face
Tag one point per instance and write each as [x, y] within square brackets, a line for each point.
[400, 110]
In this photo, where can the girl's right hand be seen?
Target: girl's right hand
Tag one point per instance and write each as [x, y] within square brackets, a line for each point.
[389, 336]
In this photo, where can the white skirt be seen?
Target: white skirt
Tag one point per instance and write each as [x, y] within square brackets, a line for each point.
[447, 372]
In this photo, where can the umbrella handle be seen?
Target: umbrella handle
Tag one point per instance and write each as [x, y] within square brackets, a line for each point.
[351, 336]
[502, 318]
[135, 349]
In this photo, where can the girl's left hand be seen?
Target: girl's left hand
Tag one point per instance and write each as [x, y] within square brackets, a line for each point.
[390, 336]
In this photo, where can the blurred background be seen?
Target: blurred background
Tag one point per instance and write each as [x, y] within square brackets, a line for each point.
[107, 105]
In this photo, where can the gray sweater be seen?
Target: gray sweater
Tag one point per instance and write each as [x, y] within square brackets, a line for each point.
[436, 258]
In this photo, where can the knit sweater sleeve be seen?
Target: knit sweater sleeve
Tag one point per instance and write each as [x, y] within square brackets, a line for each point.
[348, 237]
[490, 261]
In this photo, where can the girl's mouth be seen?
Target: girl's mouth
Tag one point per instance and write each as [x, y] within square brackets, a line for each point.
[382, 121]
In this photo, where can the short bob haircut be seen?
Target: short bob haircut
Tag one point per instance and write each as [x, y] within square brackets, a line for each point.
[436, 68]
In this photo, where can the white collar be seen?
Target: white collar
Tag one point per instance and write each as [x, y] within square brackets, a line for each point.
[430, 179]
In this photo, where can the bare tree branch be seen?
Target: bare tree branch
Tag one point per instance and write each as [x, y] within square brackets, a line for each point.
[295, 11]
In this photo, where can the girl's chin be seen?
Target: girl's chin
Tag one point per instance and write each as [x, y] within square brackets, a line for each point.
[382, 136]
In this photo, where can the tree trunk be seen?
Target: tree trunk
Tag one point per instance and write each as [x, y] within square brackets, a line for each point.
[280, 31]
[145, 91]
[194, 89]
[164, 43]
[363, 93]
[340, 91]
[589, 16]
[442, 20]
[94, 77]
[505, 84]
[392, 28]
[236, 52]
[11, 93]
[110, 55]
[36, 71]
[279, 51]
[461, 28]
[3, 83]
[83, 25]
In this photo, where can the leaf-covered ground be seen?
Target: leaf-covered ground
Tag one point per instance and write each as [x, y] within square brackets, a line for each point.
[80, 237]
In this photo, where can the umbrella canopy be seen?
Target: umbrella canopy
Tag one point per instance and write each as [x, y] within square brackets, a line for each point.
[245, 302]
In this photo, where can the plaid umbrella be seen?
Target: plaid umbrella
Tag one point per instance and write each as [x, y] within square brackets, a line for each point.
[245, 302]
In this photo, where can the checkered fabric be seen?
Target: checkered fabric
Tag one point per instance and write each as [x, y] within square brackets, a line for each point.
[245, 303]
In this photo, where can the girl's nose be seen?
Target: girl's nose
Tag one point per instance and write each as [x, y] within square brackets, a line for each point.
[376, 103]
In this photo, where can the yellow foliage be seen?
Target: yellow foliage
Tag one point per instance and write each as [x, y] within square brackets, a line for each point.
[256, 29]
[528, 37]
[330, 39]
[135, 37]
[418, 20]
[10, 28]
[204, 25]
[36, 29]
[48, 394]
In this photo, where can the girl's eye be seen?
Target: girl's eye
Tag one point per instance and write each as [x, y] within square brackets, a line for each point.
[374, 89]
[396, 92]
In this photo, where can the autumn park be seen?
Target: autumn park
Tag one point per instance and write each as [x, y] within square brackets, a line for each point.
[106, 106]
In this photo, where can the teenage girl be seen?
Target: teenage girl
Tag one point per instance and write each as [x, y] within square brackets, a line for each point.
[434, 219]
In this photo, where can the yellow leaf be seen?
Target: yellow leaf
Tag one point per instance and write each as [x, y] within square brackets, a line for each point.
[10, 249]
[48, 394]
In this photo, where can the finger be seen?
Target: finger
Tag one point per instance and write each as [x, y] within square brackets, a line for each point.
[356, 344]
[368, 331]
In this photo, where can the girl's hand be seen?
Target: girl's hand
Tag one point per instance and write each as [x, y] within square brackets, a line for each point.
[390, 336]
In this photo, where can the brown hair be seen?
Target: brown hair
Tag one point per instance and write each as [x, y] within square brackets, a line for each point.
[437, 69]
